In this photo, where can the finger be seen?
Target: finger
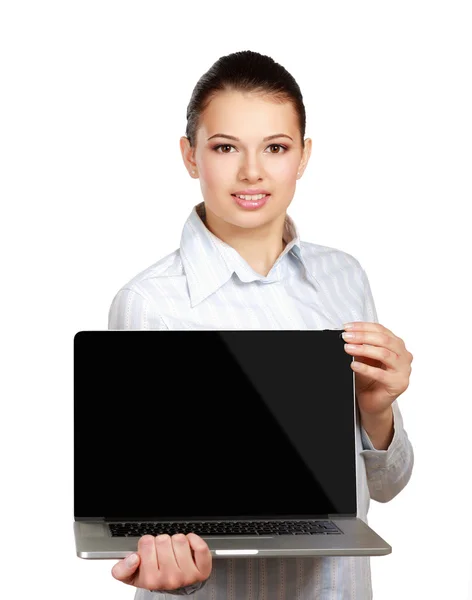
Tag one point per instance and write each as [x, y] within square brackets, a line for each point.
[381, 340]
[125, 570]
[165, 554]
[394, 344]
[368, 326]
[202, 554]
[147, 551]
[366, 370]
[183, 556]
[380, 355]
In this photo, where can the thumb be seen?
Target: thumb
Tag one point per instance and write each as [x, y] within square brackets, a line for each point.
[124, 570]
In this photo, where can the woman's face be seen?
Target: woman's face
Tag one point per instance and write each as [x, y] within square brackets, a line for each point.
[227, 166]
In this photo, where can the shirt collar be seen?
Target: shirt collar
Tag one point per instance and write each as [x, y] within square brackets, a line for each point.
[209, 262]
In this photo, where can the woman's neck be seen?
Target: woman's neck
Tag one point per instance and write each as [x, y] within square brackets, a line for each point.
[260, 247]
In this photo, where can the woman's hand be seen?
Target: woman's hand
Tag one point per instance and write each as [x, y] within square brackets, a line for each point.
[165, 563]
[382, 366]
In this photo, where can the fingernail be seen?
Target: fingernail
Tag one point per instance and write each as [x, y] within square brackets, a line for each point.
[131, 560]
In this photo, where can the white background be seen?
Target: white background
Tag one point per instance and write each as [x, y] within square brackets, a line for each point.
[94, 190]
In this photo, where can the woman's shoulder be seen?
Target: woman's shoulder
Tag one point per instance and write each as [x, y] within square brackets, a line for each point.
[155, 275]
[314, 254]
[141, 301]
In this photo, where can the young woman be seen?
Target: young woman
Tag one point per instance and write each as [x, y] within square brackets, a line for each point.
[241, 265]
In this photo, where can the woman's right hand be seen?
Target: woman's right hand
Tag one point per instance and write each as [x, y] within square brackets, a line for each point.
[166, 563]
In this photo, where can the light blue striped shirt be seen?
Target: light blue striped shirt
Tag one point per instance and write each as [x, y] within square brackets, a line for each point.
[206, 284]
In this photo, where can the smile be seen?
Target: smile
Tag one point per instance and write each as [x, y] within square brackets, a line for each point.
[252, 198]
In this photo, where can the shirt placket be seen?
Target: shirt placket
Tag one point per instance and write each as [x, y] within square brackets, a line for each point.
[288, 310]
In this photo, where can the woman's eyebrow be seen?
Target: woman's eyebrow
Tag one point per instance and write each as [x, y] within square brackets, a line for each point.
[232, 137]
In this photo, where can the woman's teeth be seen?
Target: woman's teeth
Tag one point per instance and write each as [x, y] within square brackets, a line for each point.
[253, 198]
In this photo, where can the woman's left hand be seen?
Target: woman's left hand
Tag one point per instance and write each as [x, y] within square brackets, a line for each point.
[383, 366]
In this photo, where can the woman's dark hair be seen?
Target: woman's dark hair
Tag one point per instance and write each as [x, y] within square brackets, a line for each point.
[244, 71]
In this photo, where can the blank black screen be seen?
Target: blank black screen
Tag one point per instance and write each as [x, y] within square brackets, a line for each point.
[211, 424]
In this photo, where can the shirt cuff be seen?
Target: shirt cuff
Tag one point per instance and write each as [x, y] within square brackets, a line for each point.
[186, 590]
[382, 458]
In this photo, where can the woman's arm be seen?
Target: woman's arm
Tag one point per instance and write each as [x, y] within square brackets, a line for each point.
[388, 471]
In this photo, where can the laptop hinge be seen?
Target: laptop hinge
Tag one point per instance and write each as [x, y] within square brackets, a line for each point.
[230, 518]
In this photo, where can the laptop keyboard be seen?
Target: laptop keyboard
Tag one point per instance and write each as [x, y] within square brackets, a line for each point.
[208, 528]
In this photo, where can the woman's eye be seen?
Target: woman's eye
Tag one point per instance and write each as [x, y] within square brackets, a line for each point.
[216, 148]
[223, 146]
[277, 146]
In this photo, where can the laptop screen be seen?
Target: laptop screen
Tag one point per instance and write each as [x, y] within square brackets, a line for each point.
[213, 424]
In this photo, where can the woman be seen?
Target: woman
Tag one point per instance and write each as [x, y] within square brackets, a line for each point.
[242, 265]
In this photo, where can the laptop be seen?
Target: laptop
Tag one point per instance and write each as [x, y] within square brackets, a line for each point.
[244, 437]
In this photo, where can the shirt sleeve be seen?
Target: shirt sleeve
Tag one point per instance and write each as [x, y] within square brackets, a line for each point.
[187, 590]
[142, 594]
[388, 471]
[130, 310]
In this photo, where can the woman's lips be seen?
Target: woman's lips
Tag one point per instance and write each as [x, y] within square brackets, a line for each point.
[251, 204]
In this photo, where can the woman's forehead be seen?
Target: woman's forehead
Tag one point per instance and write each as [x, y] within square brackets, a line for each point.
[236, 113]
